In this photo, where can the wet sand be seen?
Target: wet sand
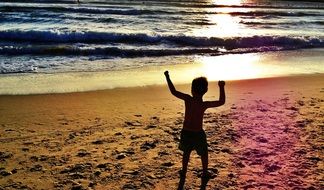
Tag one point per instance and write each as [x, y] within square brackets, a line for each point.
[269, 135]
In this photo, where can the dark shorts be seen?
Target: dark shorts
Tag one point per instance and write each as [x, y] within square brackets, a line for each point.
[191, 140]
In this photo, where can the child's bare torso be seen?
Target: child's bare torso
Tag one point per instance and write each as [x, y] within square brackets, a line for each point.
[194, 113]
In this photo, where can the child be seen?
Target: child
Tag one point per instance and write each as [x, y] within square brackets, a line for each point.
[193, 136]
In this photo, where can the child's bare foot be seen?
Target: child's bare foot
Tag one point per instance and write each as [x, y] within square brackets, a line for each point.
[207, 175]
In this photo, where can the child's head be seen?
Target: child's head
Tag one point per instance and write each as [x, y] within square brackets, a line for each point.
[199, 86]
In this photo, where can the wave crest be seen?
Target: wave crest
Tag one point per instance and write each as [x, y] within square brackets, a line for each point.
[58, 37]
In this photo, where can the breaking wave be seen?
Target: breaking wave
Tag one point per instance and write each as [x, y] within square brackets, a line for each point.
[68, 43]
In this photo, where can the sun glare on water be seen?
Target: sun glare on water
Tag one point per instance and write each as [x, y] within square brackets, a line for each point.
[230, 67]
[222, 24]
[227, 2]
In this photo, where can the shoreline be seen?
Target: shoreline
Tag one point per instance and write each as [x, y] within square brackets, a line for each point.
[250, 66]
[155, 85]
[181, 85]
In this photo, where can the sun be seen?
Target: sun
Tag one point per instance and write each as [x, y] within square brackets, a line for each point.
[227, 2]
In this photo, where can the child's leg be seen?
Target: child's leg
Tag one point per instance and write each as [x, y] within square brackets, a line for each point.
[204, 161]
[205, 175]
[185, 161]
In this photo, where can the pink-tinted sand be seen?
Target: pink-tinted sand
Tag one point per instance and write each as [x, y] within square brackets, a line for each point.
[269, 135]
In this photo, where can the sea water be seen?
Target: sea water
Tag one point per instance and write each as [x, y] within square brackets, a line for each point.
[64, 46]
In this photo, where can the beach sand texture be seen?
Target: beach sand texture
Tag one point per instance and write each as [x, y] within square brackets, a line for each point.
[269, 135]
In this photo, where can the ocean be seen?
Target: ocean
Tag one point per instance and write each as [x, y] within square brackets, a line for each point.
[43, 42]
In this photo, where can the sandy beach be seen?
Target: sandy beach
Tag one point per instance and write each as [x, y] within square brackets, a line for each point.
[269, 135]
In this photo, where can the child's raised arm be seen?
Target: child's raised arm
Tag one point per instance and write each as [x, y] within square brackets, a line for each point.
[221, 101]
[173, 91]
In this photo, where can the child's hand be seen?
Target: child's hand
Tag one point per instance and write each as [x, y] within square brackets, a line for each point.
[221, 83]
[166, 73]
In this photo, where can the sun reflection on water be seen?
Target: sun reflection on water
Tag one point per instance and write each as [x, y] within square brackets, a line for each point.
[223, 23]
[230, 67]
[227, 2]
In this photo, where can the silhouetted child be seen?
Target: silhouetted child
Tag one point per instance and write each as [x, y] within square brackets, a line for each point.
[193, 136]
